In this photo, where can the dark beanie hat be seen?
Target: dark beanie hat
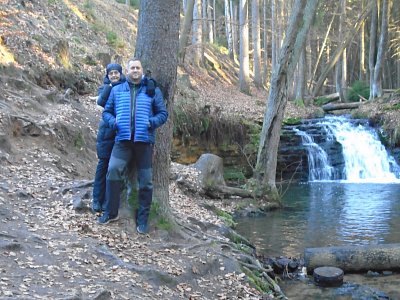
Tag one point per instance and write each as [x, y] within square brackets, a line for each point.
[111, 67]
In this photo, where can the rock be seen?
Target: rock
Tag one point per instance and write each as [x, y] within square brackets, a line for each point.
[78, 204]
[212, 170]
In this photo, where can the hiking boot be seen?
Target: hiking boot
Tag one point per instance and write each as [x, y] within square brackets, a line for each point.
[142, 229]
[106, 218]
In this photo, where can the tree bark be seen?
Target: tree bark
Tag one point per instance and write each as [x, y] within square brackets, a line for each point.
[354, 258]
[299, 25]
[265, 45]
[228, 30]
[185, 30]
[376, 84]
[211, 28]
[162, 61]
[255, 17]
[197, 38]
[331, 106]
[244, 76]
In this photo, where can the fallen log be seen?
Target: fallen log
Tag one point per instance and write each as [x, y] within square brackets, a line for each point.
[223, 191]
[331, 106]
[354, 258]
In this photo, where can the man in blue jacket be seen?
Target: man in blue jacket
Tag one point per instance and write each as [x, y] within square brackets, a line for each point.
[135, 111]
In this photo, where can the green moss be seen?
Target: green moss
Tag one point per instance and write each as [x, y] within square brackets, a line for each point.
[258, 282]
[292, 121]
[321, 101]
[226, 217]
[79, 140]
[299, 102]
[395, 106]
[134, 3]
[114, 40]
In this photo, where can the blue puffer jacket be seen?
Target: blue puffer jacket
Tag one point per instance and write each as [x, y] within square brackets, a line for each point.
[150, 113]
[105, 134]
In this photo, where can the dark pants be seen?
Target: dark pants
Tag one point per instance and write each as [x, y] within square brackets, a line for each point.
[121, 156]
[99, 185]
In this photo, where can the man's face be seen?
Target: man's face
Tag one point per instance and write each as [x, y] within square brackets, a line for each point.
[135, 71]
[114, 76]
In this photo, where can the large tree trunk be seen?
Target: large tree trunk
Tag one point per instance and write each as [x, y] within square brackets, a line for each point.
[294, 42]
[162, 61]
[244, 77]
[376, 77]
[255, 17]
[185, 31]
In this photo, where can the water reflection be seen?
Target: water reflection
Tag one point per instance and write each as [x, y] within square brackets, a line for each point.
[328, 214]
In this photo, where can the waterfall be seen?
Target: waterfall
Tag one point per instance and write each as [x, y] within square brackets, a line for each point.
[363, 157]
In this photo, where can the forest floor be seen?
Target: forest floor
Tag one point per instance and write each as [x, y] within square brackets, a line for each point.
[48, 124]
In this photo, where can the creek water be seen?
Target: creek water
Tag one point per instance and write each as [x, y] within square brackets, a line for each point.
[321, 214]
[351, 198]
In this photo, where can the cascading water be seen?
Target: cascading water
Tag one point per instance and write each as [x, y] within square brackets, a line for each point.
[363, 157]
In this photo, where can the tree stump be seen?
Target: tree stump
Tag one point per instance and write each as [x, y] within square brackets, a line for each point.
[328, 276]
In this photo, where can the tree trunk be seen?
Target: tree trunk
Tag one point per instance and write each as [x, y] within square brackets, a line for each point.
[354, 258]
[376, 84]
[295, 38]
[363, 70]
[244, 77]
[340, 65]
[274, 45]
[162, 61]
[228, 30]
[204, 20]
[235, 28]
[185, 31]
[301, 76]
[265, 45]
[211, 28]
[255, 17]
[342, 45]
[197, 41]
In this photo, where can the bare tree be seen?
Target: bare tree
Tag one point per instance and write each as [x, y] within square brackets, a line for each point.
[185, 30]
[162, 61]
[339, 50]
[197, 38]
[244, 76]
[376, 61]
[265, 171]
[228, 29]
[340, 72]
[255, 18]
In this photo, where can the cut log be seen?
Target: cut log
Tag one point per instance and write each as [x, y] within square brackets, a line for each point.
[328, 276]
[354, 258]
[331, 106]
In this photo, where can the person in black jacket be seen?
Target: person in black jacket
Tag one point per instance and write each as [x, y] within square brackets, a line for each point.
[105, 137]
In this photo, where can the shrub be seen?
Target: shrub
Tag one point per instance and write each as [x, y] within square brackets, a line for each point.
[358, 88]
